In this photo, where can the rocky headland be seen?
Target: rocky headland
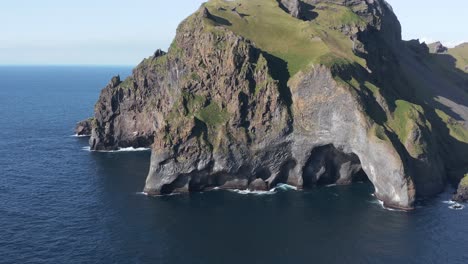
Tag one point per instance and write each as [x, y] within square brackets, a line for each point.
[254, 93]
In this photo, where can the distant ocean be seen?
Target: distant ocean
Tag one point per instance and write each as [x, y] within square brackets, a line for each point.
[60, 203]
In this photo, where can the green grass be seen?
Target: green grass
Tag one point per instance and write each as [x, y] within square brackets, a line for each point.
[335, 62]
[299, 43]
[464, 181]
[405, 117]
[194, 102]
[456, 129]
[336, 15]
[195, 77]
[213, 115]
[374, 89]
[128, 83]
[405, 113]
[379, 132]
[262, 65]
[460, 53]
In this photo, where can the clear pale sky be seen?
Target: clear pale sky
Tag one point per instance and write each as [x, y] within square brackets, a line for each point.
[123, 32]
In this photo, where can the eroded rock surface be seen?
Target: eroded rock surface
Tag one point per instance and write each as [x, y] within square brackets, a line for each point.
[438, 47]
[84, 128]
[293, 7]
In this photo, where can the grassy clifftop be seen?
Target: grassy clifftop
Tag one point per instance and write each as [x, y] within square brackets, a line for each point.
[299, 43]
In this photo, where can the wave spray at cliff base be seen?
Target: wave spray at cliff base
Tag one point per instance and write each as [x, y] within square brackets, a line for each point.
[130, 149]
[280, 187]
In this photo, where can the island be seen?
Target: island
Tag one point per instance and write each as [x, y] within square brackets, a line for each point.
[256, 93]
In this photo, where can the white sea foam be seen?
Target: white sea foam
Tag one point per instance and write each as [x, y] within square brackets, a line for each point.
[285, 187]
[450, 202]
[119, 150]
[253, 192]
[88, 148]
[457, 206]
[80, 136]
[130, 149]
[454, 205]
[159, 195]
[381, 203]
[279, 187]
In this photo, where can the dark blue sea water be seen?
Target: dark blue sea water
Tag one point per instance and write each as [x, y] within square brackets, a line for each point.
[62, 204]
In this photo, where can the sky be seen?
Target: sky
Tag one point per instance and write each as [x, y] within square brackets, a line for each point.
[123, 32]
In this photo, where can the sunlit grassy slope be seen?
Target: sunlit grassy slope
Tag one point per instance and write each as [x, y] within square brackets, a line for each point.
[460, 53]
[299, 43]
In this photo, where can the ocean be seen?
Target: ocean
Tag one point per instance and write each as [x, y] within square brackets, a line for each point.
[61, 203]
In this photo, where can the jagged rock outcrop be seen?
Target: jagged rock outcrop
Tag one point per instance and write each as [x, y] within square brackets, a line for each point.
[293, 7]
[229, 106]
[84, 128]
[438, 47]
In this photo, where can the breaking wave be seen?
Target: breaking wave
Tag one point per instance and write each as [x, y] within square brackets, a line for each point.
[454, 205]
[279, 187]
[382, 205]
[80, 136]
[130, 149]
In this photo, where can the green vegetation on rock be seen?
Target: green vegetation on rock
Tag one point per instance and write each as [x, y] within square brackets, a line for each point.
[460, 53]
[405, 113]
[379, 132]
[464, 181]
[332, 15]
[408, 117]
[457, 130]
[213, 115]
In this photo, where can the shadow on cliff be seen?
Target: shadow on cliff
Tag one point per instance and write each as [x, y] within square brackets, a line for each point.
[355, 71]
[435, 79]
[308, 12]
[444, 66]
[279, 71]
[220, 20]
[420, 78]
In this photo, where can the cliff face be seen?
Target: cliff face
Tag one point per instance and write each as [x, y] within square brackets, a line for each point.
[256, 93]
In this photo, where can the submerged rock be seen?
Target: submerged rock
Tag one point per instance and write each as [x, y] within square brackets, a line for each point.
[228, 106]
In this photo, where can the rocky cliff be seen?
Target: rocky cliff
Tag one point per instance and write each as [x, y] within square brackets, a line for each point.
[256, 93]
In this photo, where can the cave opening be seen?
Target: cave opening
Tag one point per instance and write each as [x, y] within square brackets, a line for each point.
[330, 165]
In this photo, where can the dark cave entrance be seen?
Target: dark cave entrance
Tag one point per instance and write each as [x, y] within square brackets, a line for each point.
[329, 165]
